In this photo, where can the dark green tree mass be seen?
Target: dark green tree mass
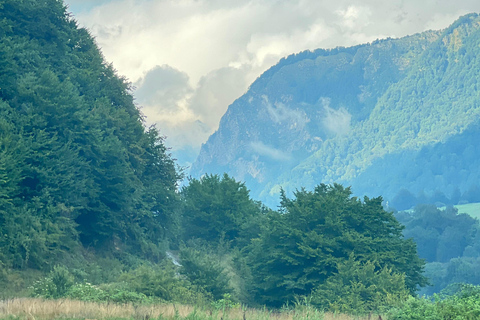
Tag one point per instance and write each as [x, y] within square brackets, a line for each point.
[216, 208]
[77, 165]
[302, 246]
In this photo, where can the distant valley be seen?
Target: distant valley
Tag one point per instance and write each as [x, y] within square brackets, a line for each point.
[396, 117]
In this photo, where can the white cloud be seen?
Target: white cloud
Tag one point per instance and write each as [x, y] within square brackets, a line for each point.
[269, 152]
[215, 91]
[355, 17]
[164, 88]
[281, 113]
[335, 121]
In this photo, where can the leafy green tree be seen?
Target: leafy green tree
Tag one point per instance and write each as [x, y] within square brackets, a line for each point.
[216, 208]
[440, 234]
[301, 247]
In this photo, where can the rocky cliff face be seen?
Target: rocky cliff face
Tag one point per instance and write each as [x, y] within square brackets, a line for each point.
[329, 115]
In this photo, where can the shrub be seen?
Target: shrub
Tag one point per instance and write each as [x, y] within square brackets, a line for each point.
[161, 282]
[465, 304]
[86, 292]
[359, 288]
[204, 271]
[55, 285]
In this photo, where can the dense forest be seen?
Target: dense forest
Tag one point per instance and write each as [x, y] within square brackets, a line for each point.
[91, 209]
[78, 167]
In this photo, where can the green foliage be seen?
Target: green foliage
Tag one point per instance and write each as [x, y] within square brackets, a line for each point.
[457, 270]
[440, 234]
[302, 247]
[225, 303]
[448, 241]
[77, 166]
[55, 285]
[205, 272]
[359, 288]
[463, 305]
[163, 283]
[217, 208]
[86, 292]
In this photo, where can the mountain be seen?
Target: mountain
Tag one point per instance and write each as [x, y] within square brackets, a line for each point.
[396, 117]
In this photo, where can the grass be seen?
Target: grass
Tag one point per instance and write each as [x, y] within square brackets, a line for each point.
[472, 209]
[39, 309]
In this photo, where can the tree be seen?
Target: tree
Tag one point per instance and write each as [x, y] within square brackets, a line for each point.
[301, 247]
[440, 234]
[217, 208]
[205, 272]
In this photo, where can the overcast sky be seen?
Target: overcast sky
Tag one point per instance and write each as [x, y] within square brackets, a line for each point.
[190, 59]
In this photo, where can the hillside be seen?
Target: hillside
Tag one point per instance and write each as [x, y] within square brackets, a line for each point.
[78, 169]
[393, 116]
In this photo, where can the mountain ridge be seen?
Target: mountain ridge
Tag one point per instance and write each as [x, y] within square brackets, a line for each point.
[328, 115]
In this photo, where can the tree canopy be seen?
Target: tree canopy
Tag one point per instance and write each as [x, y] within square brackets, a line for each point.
[216, 208]
[301, 247]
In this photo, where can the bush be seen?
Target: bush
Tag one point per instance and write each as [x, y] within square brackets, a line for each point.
[205, 272]
[161, 282]
[359, 288]
[86, 292]
[225, 303]
[464, 304]
[55, 285]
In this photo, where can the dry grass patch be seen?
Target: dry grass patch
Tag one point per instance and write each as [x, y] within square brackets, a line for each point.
[39, 309]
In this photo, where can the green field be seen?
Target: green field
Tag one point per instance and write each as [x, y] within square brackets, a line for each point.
[472, 209]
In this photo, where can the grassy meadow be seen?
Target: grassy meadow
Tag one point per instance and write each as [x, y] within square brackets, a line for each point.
[40, 309]
[472, 209]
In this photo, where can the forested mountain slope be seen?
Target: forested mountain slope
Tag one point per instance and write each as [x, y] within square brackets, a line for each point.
[352, 115]
[77, 166]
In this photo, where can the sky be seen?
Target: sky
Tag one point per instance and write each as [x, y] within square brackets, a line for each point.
[190, 59]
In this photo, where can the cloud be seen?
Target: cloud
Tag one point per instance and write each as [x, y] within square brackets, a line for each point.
[269, 152]
[215, 92]
[355, 17]
[335, 121]
[281, 113]
[84, 5]
[166, 97]
[184, 133]
[163, 87]
[187, 116]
